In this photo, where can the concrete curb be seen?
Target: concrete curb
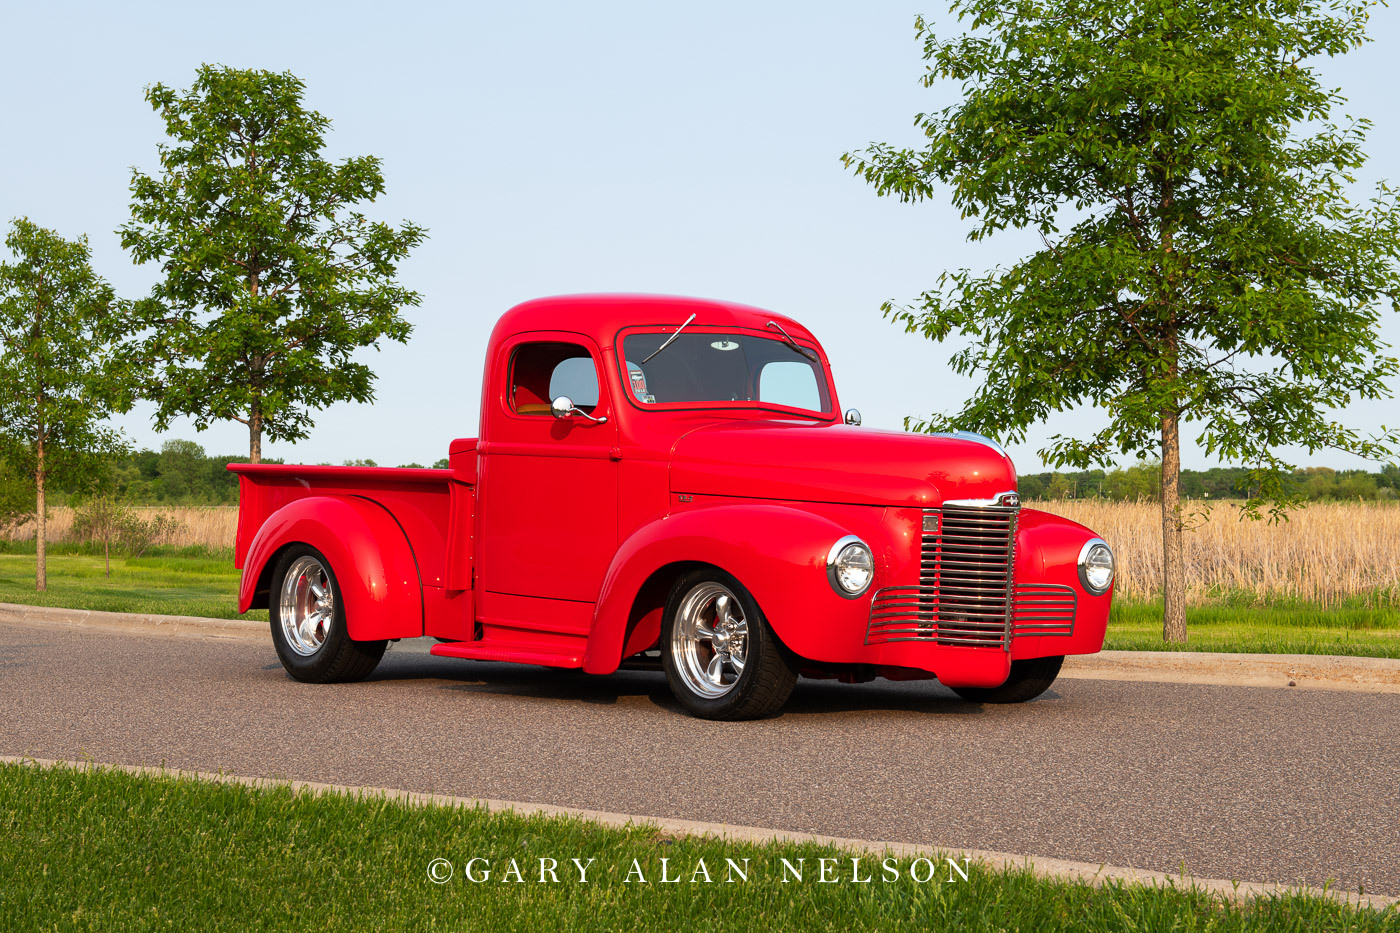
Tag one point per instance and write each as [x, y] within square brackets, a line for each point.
[135, 622]
[1305, 671]
[1054, 869]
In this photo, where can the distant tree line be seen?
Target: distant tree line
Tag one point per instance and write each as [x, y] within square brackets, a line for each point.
[179, 474]
[1144, 482]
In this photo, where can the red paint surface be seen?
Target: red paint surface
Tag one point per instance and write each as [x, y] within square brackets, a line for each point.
[553, 541]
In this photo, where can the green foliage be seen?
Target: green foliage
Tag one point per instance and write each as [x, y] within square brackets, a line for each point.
[1143, 482]
[59, 379]
[1201, 260]
[273, 277]
[180, 473]
[16, 498]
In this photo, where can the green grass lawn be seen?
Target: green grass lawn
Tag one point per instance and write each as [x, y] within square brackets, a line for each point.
[206, 585]
[182, 585]
[105, 850]
[1348, 630]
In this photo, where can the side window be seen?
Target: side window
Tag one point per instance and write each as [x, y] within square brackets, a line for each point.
[540, 372]
[792, 384]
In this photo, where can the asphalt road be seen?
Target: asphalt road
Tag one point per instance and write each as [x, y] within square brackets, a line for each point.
[1245, 783]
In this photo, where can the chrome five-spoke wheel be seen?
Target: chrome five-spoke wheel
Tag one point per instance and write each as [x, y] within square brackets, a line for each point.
[309, 628]
[710, 640]
[307, 605]
[721, 657]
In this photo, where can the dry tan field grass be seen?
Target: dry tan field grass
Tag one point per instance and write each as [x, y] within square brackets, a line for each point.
[1326, 553]
[212, 527]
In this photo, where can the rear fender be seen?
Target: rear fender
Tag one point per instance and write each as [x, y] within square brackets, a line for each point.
[372, 559]
[777, 552]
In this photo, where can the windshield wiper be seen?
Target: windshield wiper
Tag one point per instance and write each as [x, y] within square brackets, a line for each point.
[810, 354]
[670, 339]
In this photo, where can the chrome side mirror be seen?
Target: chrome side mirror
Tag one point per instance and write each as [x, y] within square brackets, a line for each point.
[563, 407]
[853, 416]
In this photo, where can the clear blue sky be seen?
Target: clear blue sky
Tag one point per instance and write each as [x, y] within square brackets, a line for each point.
[565, 147]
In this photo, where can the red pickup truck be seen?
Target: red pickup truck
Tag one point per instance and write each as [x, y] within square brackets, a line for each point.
[670, 480]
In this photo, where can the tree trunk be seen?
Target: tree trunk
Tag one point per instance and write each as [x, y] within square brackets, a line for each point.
[255, 432]
[41, 575]
[1173, 547]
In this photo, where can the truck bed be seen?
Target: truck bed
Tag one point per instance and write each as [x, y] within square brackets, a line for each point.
[417, 498]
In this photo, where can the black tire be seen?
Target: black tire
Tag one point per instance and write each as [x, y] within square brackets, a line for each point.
[338, 658]
[769, 670]
[1029, 679]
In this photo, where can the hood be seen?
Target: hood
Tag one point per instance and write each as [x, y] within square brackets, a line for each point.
[836, 463]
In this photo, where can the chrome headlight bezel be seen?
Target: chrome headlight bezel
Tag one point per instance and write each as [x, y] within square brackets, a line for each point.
[833, 560]
[1089, 548]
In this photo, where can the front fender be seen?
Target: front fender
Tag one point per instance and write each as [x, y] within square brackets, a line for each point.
[1047, 551]
[373, 562]
[777, 552]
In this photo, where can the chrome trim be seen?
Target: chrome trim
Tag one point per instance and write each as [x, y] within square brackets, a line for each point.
[1083, 554]
[831, 555]
[965, 595]
[563, 407]
[853, 417]
[1044, 609]
[1002, 500]
[976, 438]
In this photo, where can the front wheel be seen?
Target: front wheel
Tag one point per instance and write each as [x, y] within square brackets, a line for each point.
[721, 658]
[1029, 679]
[308, 622]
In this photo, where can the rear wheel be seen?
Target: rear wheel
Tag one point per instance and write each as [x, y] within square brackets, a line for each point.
[721, 658]
[308, 622]
[1029, 679]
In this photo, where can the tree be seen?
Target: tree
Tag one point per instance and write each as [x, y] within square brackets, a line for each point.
[59, 379]
[272, 276]
[107, 520]
[101, 519]
[1201, 261]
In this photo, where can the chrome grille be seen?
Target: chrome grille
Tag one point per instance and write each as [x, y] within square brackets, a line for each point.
[1043, 609]
[964, 591]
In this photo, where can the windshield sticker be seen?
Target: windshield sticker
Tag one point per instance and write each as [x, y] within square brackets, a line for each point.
[639, 385]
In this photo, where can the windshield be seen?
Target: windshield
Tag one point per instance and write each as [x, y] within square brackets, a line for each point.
[722, 368]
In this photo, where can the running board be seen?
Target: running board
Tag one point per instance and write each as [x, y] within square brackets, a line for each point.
[500, 651]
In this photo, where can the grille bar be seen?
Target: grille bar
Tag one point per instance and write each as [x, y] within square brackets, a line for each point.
[1044, 609]
[964, 595]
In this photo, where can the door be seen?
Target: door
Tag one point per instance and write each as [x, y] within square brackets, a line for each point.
[548, 490]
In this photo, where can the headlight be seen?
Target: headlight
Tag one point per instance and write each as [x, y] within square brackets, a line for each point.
[1096, 567]
[850, 567]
